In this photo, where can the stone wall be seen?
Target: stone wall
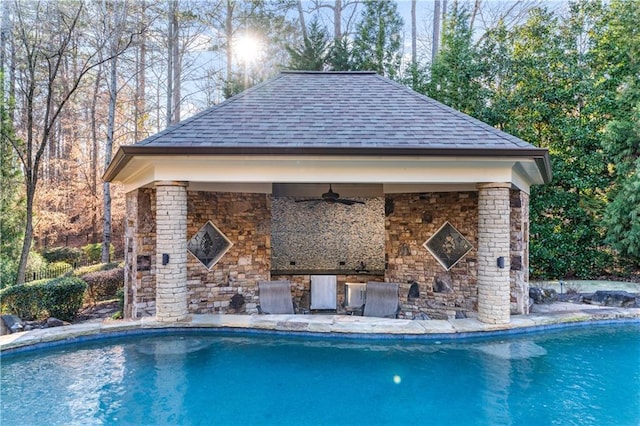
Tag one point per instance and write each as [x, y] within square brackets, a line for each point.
[231, 285]
[140, 253]
[411, 219]
[320, 237]
[519, 252]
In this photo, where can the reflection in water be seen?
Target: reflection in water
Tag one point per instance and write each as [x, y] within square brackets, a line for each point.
[504, 365]
[170, 381]
[88, 395]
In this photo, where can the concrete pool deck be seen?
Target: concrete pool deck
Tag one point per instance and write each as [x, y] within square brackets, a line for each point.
[556, 314]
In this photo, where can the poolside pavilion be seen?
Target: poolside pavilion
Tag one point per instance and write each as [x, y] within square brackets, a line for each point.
[434, 200]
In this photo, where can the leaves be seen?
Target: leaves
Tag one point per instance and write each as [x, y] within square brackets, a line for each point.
[378, 40]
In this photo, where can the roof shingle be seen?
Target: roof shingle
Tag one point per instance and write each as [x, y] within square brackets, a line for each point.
[332, 109]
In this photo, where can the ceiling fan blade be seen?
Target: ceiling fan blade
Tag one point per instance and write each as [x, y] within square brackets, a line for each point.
[347, 202]
[309, 200]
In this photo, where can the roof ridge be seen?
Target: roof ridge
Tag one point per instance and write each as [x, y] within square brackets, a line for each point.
[472, 120]
[327, 72]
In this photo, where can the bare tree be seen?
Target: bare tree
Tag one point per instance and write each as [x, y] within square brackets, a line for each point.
[414, 34]
[141, 65]
[436, 30]
[43, 33]
[343, 13]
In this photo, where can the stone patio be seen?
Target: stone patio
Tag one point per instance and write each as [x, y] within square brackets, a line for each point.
[557, 314]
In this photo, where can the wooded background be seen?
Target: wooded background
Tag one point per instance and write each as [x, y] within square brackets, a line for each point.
[80, 78]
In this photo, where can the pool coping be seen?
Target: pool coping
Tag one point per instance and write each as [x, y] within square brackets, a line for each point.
[319, 325]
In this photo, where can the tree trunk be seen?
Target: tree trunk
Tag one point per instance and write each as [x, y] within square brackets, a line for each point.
[108, 148]
[414, 35]
[436, 31]
[170, 41]
[177, 65]
[303, 25]
[94, 158]
[140, 99]
[337, 20]
[228, 29]
[28, 232]
[476, 9]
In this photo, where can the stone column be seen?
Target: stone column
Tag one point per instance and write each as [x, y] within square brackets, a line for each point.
[130, 253]
[519, 252]
[493, 243]
[171, 241]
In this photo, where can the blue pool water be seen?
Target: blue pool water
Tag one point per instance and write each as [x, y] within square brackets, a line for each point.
[576, 376]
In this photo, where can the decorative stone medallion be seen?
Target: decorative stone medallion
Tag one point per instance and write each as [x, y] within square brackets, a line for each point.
[448, 246]
[208, 245]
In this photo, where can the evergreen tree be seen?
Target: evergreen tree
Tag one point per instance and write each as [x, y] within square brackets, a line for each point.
[623, 213]
[314, 52]
[455, 73]
[340, 55]
[377, 45]
[541, 89]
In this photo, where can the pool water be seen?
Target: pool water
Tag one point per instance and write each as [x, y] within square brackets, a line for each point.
[576, 376]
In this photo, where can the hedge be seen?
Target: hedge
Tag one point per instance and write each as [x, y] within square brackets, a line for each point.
[103, 285]
[59, 297]
[93, 252]
[70, 255]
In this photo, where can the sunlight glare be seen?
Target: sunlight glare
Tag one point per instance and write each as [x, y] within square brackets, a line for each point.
[248, 47]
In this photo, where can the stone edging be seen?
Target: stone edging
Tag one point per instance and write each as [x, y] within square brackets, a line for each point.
[321, 325]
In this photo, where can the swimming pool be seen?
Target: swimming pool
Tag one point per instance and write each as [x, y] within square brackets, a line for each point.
[575, 376]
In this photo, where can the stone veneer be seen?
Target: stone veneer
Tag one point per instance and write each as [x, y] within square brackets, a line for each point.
[171, 251]
[410, 221]
[493, 242]
[140, 251]
[319, 236]
[245, 219]
[519, 275]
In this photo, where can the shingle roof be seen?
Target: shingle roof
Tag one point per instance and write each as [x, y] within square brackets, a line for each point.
[331, 114]
[333, 110]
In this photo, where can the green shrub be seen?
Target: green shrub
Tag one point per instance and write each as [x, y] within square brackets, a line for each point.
[93, 252]
[24, 300]
[58, 297]
[70, 255]
[103, 285]
[8, 272]
[63, 297]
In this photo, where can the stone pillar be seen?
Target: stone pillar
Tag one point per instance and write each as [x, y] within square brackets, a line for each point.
[493, 243]
[519, 252]
[130, 253]
[171, 243]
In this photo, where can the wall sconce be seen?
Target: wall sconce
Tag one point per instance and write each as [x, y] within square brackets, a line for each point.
[165, 258]
[501, 262]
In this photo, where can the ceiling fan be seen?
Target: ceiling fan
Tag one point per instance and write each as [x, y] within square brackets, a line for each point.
[332, 197]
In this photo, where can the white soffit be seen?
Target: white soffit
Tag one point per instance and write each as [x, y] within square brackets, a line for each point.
[141, 171]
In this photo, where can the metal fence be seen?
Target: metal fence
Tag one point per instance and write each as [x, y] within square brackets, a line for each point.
[54, 271]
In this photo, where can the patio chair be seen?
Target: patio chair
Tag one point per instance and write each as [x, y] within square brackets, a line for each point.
[382, 300]
[275, 297]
